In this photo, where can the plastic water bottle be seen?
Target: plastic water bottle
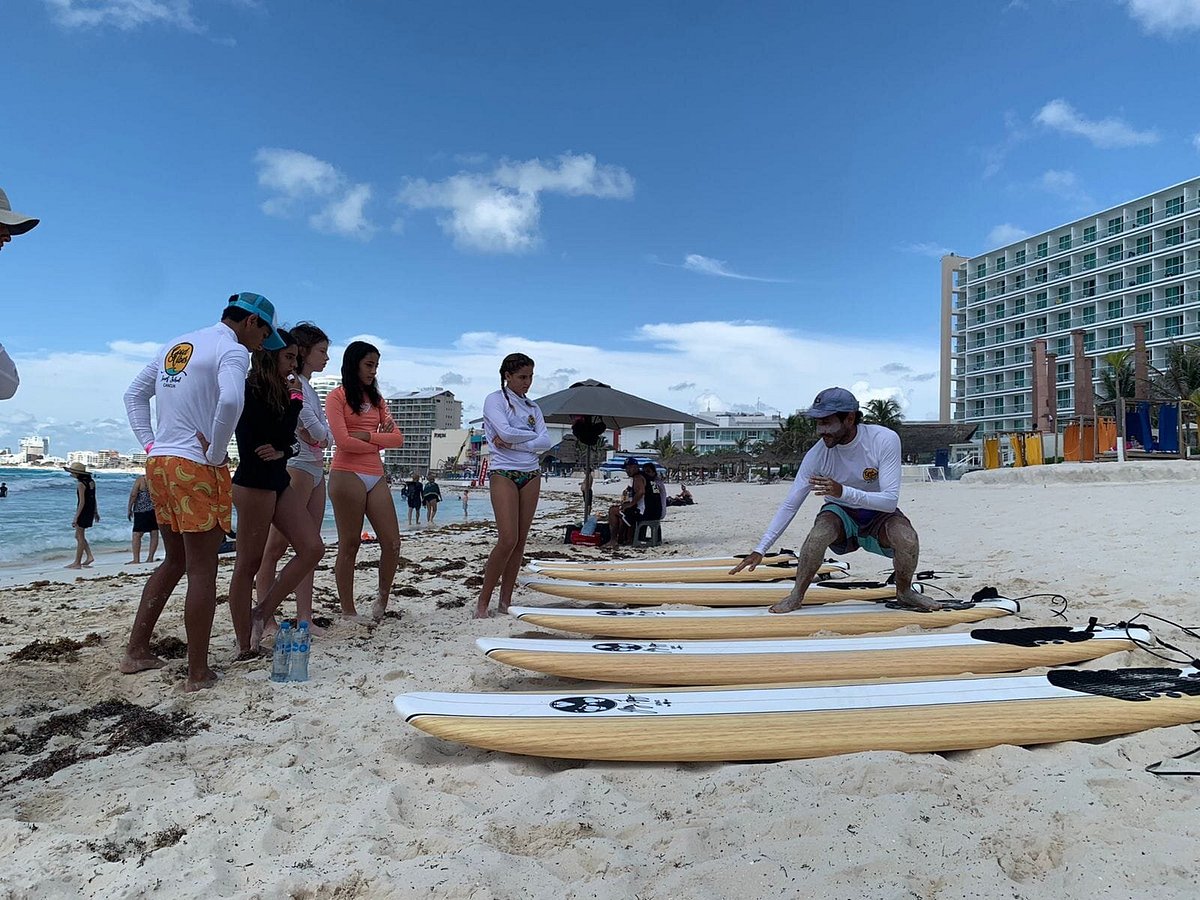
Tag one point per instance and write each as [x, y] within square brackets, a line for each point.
[279, 659]
[589, 526]
[298, 658]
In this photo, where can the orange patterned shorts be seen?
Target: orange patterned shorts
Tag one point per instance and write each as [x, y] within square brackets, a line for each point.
[190, 497]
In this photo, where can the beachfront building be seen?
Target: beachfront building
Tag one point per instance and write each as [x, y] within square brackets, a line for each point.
[1093, 283]
[418, 414]
[731, 431]
[34, 448]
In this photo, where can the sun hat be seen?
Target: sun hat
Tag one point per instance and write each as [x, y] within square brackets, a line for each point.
[265, 310]
[832, 401]
[76, 468]
[15, 221]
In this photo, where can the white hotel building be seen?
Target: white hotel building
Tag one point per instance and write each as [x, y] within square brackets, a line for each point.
[1135, 263]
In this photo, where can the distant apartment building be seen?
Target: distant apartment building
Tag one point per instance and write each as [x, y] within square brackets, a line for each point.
[418, 414]
[34, 448]
[323, 384]
[731, 431]
[1098, 281]
[95, 459]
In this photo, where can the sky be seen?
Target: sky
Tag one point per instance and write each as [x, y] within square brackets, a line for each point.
[717, 206]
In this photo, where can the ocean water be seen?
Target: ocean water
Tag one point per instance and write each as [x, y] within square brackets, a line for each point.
[35, 518]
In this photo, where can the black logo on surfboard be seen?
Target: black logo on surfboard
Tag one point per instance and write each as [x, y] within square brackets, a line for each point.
[618, 648]
[1032, 637]
[1128, 684]
[583, 704]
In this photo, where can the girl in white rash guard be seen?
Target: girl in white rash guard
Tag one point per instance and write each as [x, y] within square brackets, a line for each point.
[516, 434]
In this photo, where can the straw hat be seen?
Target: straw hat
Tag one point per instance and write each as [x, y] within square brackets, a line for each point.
[76, 468]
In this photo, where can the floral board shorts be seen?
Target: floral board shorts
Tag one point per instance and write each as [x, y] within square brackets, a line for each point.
[189, 497]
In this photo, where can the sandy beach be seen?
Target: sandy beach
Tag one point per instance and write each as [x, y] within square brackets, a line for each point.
[319, 790]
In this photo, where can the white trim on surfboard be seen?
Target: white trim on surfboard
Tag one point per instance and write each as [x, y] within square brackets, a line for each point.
[652, 563]
[733, 586]
[895, 643]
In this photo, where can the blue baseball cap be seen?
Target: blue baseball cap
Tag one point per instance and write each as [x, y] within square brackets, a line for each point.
[831, 402]
[265, 310]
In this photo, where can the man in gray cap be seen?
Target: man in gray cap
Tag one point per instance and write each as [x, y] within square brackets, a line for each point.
[10, 223]
[855, 469]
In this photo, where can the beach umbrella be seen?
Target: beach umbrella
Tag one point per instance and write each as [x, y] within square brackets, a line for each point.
[596, 402]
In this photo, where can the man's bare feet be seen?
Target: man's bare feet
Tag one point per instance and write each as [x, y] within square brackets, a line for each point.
[256, 630]
[378, 608]
[504, 605]
[205, 680]
[917, 602]
[788, 604]
[132, 664]
[316, 630]
[481, 612]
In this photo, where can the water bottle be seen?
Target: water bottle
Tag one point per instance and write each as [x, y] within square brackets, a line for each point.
[279, 659]
[589, 526]
[298, 658]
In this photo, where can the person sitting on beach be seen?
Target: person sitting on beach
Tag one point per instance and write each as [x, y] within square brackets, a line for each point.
[855, 468]
[656, 508]
[431, 495]
[141, 514]
[623, 517]
[198, 382]
[86, 514]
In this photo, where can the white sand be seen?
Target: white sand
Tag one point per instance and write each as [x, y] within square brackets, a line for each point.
[321, 791]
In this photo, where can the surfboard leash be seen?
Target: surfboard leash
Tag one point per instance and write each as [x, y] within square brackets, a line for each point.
[1190, 659]
[990, 593]
[1156, 768]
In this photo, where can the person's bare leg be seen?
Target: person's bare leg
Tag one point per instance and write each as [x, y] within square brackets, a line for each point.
[315, 507]
[349, 497]
[277, 545]
[900, 537]
[153, 546]
[80, 544]
[826, 530]
[201, 603]
[381, 511]
[292, 519]
[506, 507]
[155, 593]
[255, 509]
[528, 499]
[136, 547]
[614, 527]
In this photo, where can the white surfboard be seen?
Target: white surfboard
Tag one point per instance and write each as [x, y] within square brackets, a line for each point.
[663, 624]
[764, 594]
[781, 558]
[684, 575]
[795, 722]
[981, 650]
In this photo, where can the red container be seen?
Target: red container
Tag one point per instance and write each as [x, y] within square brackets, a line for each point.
[590, 540]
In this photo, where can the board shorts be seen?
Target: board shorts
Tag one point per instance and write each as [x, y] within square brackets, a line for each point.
[632, 516]
[863, 528]
[144, 522]
[190, 498]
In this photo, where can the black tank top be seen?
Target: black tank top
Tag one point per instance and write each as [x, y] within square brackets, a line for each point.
[87, 515]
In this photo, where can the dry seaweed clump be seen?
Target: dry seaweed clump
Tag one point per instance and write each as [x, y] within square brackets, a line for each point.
[112, 851]
[169, 647]
[57, 649]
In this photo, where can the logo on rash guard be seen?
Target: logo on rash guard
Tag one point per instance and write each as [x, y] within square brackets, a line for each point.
[177, 359]
[870, 475]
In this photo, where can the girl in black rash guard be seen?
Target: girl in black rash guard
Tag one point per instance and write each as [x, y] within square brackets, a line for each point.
[266, 438]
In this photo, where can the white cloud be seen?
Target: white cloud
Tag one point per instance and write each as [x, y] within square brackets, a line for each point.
[1165, 17]
[706, 265]
[926, 248]
[125, 15]
[300, 181]
[1015, 133]
[1064, 184]
[1005, 234]
[1104, 133]
[500, 211]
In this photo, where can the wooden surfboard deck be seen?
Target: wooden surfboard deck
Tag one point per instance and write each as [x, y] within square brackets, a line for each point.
[666, 624]
[650, 594]
[797, 722]
[663, 562]
[683, 575]
[983, 650]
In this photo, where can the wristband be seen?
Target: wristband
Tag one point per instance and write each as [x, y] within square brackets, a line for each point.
[150, 446]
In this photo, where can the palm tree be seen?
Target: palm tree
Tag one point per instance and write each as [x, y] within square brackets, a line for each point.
[795, 437]
[883, 412]
[1116, 380]
[1181, 376]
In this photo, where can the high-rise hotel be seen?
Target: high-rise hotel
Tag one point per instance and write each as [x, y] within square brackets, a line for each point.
[1095, 281]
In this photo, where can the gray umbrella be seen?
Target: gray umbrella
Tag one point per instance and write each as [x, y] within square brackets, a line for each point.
[616, 409]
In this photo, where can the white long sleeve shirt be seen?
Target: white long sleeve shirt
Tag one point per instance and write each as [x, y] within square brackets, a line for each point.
[199, 384]
[312, 420]
[868, 468]
[521, 424]
[9, 379]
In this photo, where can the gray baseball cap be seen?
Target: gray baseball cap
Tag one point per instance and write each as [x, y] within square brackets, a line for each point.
[14, 221]
[832, 401]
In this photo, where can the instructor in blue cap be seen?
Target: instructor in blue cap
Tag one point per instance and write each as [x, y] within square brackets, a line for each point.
[855, 469]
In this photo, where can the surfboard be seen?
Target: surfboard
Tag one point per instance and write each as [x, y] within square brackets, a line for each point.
[797, 722]
[982, 650]
[684, 575]
[761, 594]
[678, 624]
[781, 558]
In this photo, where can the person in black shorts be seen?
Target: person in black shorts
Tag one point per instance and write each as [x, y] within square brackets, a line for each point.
[623, 517]
[141, 514]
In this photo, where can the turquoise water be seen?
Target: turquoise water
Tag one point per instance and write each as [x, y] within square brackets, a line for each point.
[35, 518]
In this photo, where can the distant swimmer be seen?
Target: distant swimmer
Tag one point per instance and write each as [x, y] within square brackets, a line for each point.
[856, 469]
[4, 493]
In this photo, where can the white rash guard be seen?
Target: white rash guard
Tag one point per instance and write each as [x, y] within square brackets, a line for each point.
[868, 468]
[520, 424]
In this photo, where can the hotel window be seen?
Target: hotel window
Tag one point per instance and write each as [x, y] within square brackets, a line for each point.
[1116, 308]
[1089, 260]
[999, 334]
[1018, 405]
[1174, 236]
[1063, 295]
[977, 361]
[1174, 206]
[1000, 357]
[980, 293]
[1173, 326]
[1114, 252]
[1173, 295]
[1064, 242]
[1018, 354]
[1144, 245]
[1019, 306]
[1039, 325]
[1116, 226]
[1019, 331]
[1043, 249]
[1089, 342]
[1020, 260]
[1089, 234]
[1063, 372]
[999, 288]
[1018, 379]
[998, 381]
[1000, 263]
[1142, 274]
[1089, 288]
[1089, 315]
[977, 408]
[1039, 300]
[1144, 303]
[1062, 346]
[1064, 398]
[1113, 337]
[980, 316]
[1064, 268]
[1114, 281]
[1064, 321]
[1145, 215]
[1020, 281]
[1172, 265]
[1040, 276]
[980, 384]
[997, 406]
[1000, 310]
[981, 270]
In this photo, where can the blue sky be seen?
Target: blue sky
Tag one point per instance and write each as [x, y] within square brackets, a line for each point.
[713, 205]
